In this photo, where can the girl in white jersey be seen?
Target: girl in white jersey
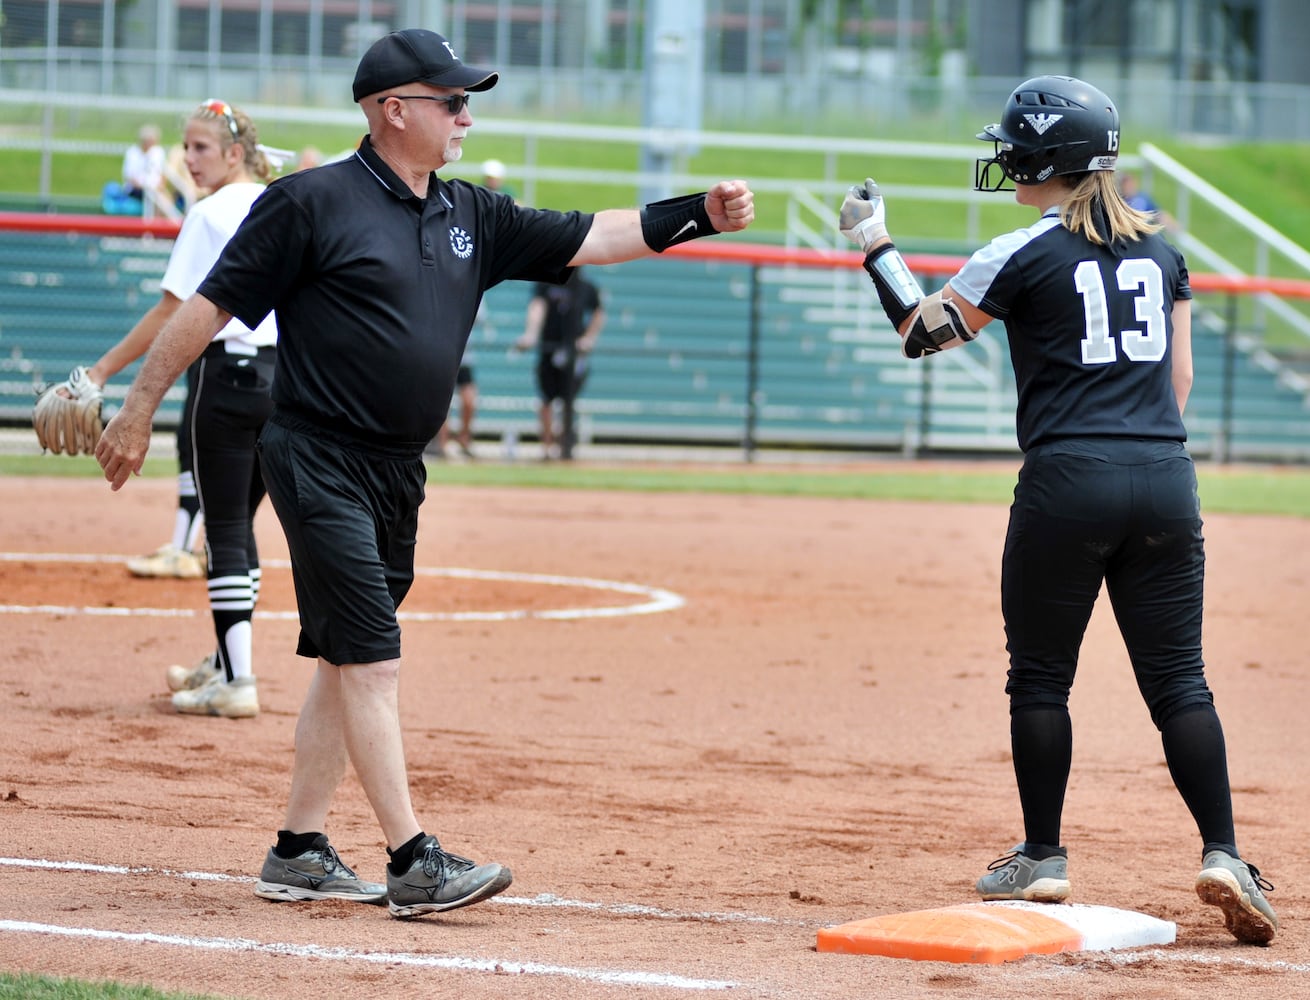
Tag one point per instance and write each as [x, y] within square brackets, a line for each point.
[226, 406]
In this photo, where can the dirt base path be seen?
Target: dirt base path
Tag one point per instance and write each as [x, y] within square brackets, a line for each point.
[812, 730]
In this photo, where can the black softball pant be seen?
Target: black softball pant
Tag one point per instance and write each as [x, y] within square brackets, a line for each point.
[184, 460]
[229, 405]
[1120, 511]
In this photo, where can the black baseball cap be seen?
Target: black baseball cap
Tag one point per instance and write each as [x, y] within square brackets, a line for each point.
[416, 55]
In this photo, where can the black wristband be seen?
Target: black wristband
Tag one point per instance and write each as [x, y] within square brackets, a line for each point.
[675, 220]
[898, 292]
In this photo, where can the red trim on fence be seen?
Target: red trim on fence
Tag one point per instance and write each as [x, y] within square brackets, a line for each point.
[93, 225]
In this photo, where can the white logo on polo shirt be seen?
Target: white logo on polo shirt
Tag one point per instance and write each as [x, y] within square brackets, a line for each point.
[461, 242]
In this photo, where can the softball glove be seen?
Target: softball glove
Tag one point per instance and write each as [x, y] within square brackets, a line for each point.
[67, 417]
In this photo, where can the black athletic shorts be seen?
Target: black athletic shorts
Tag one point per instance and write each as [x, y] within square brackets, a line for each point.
[350, 514]
[553, 379]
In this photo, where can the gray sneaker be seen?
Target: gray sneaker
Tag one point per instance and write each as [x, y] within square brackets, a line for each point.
[1237, 888]
[316, 874]
[1017, 876]
[439, 881]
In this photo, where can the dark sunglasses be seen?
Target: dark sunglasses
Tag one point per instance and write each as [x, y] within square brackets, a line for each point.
[224, 109]
[455, 103]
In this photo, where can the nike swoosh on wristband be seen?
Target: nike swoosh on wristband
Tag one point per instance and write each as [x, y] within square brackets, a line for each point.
[691, 224]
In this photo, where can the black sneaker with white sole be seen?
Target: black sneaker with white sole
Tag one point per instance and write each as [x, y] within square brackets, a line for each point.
[438, 881]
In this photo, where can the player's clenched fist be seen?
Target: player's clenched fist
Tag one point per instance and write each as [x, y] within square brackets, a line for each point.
[863, 218]
[730, 206]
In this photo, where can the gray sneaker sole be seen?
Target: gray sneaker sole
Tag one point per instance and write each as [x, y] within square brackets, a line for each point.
[491, 887]
[1044, 890]
[290, 893]
[1219, 887]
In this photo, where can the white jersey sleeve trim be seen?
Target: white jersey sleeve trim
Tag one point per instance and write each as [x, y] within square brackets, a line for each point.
[976, 277]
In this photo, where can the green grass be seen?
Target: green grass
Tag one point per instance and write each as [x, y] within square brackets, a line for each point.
[62, 466]
[1224, 489]
[1265, 178]
[14, 987]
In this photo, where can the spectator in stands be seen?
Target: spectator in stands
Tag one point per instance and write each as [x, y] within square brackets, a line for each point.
[143, 164]
[1135, 196]
[310, 156]
[563, 322]
[178, 184]
[493, 178]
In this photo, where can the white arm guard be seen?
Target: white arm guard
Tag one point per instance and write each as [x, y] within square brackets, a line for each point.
[897, 290]
[938, 326]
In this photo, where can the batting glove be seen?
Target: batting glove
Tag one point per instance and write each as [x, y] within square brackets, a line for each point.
[863, 215]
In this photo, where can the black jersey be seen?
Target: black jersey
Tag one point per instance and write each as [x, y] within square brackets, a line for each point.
[569, 308]
[376, 290]
[1090, 330]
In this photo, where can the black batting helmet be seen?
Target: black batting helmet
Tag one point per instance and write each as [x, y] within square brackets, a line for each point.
[1051, 125]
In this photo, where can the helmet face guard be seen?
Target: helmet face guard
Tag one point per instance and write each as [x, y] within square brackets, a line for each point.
[1051, 126]
[983, 170]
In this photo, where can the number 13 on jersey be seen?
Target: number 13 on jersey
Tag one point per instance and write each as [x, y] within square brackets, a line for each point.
[1139, 277]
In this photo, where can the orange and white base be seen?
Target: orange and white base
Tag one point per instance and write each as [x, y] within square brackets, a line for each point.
[996, 932]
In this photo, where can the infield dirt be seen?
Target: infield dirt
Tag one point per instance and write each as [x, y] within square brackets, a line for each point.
[818, 735]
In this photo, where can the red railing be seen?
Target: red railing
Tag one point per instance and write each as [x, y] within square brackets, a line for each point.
[89, 225]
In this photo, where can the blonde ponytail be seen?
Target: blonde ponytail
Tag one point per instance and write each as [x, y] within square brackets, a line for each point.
[1094, 200]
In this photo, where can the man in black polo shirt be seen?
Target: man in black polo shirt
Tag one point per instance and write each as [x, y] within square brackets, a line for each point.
[376, 268]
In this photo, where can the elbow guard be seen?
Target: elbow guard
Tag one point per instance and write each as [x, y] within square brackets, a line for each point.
[898, 292]
[938, 327]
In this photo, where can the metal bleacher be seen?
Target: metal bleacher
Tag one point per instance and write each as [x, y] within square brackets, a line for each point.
[65, 299]
[675, 361]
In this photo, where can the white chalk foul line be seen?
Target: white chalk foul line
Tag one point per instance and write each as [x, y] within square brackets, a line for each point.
[543, 900]
[498, 966]
[457, 963]
[658, 600]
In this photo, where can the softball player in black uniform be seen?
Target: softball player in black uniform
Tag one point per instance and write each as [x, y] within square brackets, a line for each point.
[376, 268]
[1096, 307]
